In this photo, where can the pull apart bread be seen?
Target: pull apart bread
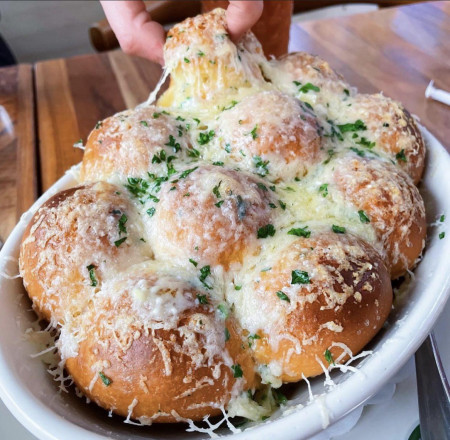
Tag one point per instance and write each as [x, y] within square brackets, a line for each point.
[238, 235]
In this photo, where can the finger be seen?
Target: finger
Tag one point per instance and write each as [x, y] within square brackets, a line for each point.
[241, 16]
[135, 30]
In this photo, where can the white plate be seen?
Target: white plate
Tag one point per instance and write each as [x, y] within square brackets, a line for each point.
[32, 396]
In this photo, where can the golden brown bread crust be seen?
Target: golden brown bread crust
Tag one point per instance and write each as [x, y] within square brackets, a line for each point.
[392, 203]
[345, 298]
[181, 367]
[74, 229]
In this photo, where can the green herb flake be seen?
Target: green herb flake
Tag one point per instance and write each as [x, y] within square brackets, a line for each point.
[216, 191]
[219, 203]
[237, 287]
[205, 271]
[261, 166]
[227, 335]
[359, 152]
[400, 156]
[282, 205]
[117, 243]
[218, 164]
[416, 434]
[283, 296]
[441, 235]
[338, 229]
[156, 115]
[186, 173]
[323, 189]
[106, 380]
[307, 87]
[262, 186]
[237, 371]
[186, 60]
[363, 217]
[272, 205]
[202, 299]
[266, 231]
[98, 125]
[174, 144]
[151, 212]
[252, 339]
[442, 218]
[91, 269]
[329, 357]
[192, 152]
[365, 143]
[347, 92]
[355, 126]
[300, 277]
[205, 137]
[300, 232]
[228, 148]
[201, 53]
[224, 311]
[233, 103]
[254, 133]
[143, 123]
[193, 262]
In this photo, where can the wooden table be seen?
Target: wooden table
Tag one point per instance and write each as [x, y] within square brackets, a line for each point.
[396, 50]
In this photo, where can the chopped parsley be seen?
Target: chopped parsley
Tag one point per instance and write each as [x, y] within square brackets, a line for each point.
[106, 380]
[205, 271]
[144, 123]
[441, 235]
[283, 296]
[262, 186]
[186, 60]
[156, 115]
[122, 228]
[224, 311]
[137, 186]
[347, 92]
[91, 269]
[323, 189]
[202, 299]
[400, 156]
[442, 218]
[186, 173]
[151, 212]
[174, 144]
[193, 262]
[355, 126]
[273, 206]
[252, 339]
[254, 132]
[300, 232]
[359, 152]
[218, 164]
[117, 243]
[98, 125]
[282, 205]
[237, 371]
[300, 277]
[193, 152]
[233, 103]
[363, 217]
[237, 287]
[216, 191]
[338, 229]
[227, 335]
[228, 148]
[201, 53]
[331, 153]
[365, 142]
[219, 203]
[261, 166]
[205, 137]
[266, 231]
[329, 357]
[306, 87]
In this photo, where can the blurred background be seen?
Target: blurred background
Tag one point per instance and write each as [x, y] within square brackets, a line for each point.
[40, 30]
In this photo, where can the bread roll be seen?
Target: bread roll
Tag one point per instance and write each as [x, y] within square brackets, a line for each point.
[392, 204]
[154, 346]
[319, 290]
[75, 241]
[273, 134]
[212, 216]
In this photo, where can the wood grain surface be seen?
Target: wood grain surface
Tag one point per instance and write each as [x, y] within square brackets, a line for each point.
[396, 50]
[17, 145]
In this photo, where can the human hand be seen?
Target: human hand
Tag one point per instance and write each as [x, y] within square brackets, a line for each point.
[139, 35]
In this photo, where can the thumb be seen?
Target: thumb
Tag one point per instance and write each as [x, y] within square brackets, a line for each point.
[241, 16]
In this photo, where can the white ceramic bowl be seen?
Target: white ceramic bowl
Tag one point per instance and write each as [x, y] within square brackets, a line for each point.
[32, 396]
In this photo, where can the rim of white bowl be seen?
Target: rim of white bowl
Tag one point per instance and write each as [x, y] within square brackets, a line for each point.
[351, 393]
